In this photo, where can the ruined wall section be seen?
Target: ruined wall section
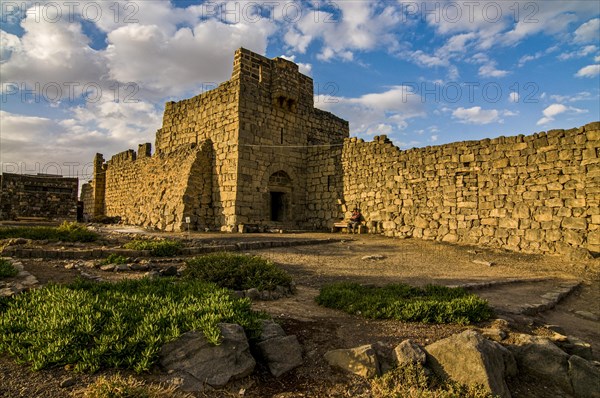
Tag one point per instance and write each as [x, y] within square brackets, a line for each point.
[162, 190]
[537, 193]
[278, 126]
[213, 116]
[43, 196]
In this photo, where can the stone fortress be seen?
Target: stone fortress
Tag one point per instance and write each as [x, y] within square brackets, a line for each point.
[256, 152]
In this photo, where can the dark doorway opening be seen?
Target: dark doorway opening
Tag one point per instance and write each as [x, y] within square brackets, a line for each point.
[277, 206]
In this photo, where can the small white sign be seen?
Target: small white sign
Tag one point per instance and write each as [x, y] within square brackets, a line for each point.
[187, 220]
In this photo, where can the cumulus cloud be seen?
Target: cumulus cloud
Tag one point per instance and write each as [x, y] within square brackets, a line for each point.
[358, 26]
[582, 52]
[513, 96]
[553, 110]
[476, 115]
[589, 31]
[376, 113]
[589, 71]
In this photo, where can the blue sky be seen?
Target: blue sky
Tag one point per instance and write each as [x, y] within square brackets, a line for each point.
[80, 77]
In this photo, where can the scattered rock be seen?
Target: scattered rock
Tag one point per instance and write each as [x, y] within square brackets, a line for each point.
[541, 358]
[151, 274]
[495, 334]
[121, 268]
[270, 329]
[361, 361]
[576, 346]
[90, 264]
[373, 257]
[138, 267]
[409, 352]
[253, 294]
[587, 315]
[70, 266]
[471, 359]
[579, 253]
[198, 362]
[107, 267]
[483, 262]
[68, 382]
[585, 378]
[555, 328]
[282, 354]
[171, 270]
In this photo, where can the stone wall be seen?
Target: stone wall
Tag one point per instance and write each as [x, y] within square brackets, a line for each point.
[279, 127]
[537, 193]
[212, 115]
[51, 197]
[162, 190]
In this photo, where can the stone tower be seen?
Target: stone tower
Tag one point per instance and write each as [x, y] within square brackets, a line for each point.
[250, 151]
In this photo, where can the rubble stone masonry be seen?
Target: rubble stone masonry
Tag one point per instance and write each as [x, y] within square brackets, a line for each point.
[255, 151]
[536, 193]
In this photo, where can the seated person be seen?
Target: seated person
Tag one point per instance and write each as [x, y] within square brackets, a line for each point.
[355, 220]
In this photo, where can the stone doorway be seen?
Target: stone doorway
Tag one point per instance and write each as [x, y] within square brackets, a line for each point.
[279, 205]
[278, 200]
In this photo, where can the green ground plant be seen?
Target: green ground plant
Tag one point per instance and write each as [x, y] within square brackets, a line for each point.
[237, 271]
[114, 259]
[115, 325]
[66, 232]
[410, 381]
[158, 248]
[7, 270]
[431, 304]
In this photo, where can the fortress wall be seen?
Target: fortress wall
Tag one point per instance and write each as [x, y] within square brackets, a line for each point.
[160, 191]
[278, 125]
[44, 196]
[212, 115]
[536, 193]
[324, 186]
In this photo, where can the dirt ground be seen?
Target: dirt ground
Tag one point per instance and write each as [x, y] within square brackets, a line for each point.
[320, 329]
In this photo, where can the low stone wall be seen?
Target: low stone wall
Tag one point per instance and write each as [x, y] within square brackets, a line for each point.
[537, 193]
[43, 196]
[162, 190]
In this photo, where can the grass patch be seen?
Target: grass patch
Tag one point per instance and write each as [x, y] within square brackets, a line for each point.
[410, 381]
[237, 272]
[7, 270]
[118, 386]
[66, 232]
[117, 325]
[431, 304]
[158, 248]
[114, 259]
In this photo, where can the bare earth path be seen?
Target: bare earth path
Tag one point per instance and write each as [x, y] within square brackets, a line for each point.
[320, 329]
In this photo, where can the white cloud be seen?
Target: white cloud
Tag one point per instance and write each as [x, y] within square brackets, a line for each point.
[581, 96]
[589, 31]
[489, 70]
[513, 96]
[582, 52]
[476, 115]
[361, 26]
[553, 110]
[589, 71]
[376, 113]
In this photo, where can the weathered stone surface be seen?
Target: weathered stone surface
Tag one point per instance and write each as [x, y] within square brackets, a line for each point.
[192, 356]
[361, 361]
[270, 329]
[409, 352]
[585, 378]
[542, 358]
[282, 354]
[502, 192]
[469, 358]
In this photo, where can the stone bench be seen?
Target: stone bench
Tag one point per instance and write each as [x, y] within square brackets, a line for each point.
[343, 226]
